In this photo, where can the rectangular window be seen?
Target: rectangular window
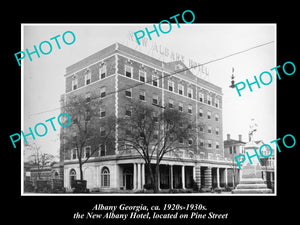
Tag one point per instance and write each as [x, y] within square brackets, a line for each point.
[102, 112]
[87, 78]
[202, 155]
[217, 131]
[201, 128]
[128, 71]
[190, 92]
[102, 92]
[217, 145]
[142, 96]
[190, 109]
[170, 85]
[74, 84]
[230, 150]
[217, 102]
[128, 112]
[201, 143]
[102, 150]
[201, 96]
[208, 115]
[242, 149]
[142, 76]
[128, 93]
[155, 99]
[171, 104]
[87, 151]
[180, 89]
[155, 117]
[102, 132]
[209, 129]
[155, 81]
[88, 97]
[209, 144]
[217, 117]
[201, 112]
[102, 72]
[180, 107]
[209, 99]
[74, 153]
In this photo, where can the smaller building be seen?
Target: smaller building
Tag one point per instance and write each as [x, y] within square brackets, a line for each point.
[45, 173]
[51, 176]
[233, 148]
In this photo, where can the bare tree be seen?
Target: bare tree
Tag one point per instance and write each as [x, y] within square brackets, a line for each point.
[234, 170]
[153, 133]
[87, 127]
[38, 158]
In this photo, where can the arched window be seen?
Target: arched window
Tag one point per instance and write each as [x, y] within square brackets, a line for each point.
[72, 177]
[105, 177]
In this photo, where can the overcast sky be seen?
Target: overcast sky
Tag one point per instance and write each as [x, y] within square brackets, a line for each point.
[44, 77]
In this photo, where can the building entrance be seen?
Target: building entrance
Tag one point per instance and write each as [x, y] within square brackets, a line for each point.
[128, 179]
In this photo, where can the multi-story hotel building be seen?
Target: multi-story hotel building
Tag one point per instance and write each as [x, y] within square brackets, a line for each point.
[112, 74]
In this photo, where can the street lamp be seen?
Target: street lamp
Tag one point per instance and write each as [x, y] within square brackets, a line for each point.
[232, 80]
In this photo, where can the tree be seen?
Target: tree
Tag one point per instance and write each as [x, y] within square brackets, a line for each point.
[87, 128]
[38, 158]
[153, 132]
[234, 170]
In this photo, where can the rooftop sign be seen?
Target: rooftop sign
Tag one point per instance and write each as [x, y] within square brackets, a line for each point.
[165, 54]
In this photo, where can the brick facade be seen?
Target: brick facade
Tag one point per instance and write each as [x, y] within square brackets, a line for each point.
[200, 98]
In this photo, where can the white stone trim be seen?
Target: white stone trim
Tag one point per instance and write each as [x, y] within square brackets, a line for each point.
[116, 106]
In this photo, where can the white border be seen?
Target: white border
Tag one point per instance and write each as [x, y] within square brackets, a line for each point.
[22, 111]
[137, 194]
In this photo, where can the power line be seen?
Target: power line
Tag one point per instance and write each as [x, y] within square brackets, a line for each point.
[236, 53]
[168, 75]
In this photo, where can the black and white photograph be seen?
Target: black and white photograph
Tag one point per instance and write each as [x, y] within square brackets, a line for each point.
[132, 115]
[157, 117]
